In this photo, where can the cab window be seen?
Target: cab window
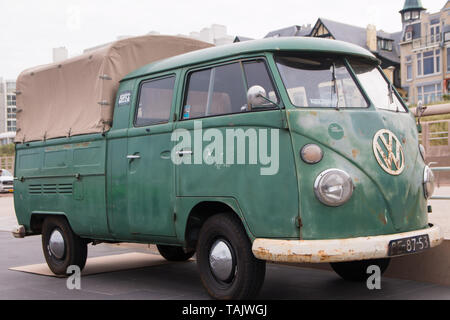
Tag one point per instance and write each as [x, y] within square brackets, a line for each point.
[257, 75]
[223, 89]
[155, 101]
[319, 82]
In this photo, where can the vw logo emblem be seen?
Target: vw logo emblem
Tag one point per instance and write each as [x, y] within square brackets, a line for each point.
[389, 152]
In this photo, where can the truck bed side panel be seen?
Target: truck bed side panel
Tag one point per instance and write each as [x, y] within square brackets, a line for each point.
[63, 176]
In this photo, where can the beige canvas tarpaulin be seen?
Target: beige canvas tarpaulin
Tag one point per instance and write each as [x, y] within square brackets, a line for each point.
[77, 96]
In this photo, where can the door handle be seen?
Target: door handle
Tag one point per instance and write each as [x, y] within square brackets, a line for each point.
[133, 156]
[183, 152]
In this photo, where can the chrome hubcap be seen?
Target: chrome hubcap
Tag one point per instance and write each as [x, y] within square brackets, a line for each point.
[56, 244]
[221, 260]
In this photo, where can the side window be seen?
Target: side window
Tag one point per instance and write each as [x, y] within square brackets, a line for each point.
[216, 91]
[155, 101]
[257, 75]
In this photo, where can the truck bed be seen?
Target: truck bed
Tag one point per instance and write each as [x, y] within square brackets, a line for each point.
[63, 176]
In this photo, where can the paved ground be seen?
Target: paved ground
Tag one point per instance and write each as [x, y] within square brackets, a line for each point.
[180, 280]
[441, 211]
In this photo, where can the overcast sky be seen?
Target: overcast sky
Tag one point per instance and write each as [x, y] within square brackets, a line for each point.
[29, 29]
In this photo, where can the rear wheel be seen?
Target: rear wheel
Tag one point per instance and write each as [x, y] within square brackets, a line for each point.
[62, 247]
[227, 266]
[174, 253]
[357, 270]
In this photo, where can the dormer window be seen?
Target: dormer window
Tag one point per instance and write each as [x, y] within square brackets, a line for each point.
[408, 36]
[384, 44]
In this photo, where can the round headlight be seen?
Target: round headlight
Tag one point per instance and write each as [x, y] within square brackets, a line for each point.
[333, 187]
[428, 182]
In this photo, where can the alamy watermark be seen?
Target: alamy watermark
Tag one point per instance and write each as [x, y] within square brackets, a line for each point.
[74, 280]
[238, 146]
[374, 280]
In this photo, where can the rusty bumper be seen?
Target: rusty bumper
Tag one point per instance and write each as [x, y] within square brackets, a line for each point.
[318, 251]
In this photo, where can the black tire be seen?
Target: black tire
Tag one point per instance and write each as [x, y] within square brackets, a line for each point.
[356, 271]
[174, 253]
[75, 248]
[247, 275]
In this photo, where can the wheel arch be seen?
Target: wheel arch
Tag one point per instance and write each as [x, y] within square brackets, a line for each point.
[199, 211]
[37, 220]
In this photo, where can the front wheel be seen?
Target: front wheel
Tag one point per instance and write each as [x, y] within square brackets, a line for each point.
[62, 247]
[228, 269]
[357, 270]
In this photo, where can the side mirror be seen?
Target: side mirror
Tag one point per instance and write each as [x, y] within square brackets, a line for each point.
[256, 96]
[420, 108]
[419, 112]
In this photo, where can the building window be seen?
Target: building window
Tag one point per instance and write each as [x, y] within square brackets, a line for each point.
[415, 15]
[11, 125]
[407, 16]
[409, 72]
[384, 44]
[11, 100]
[408, 36]
[435, 34]
[419, 64]
[10, 86]
[409, 75]
[447, 36]
[429, 93]
[448, 59]
[429, 62]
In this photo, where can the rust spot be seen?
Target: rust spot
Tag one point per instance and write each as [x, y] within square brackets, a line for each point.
[356, 180]
[382, 218]
[404, 140]
[314, 113]
[355, 153]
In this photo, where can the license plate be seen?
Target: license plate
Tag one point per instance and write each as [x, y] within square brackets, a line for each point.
[409, 245]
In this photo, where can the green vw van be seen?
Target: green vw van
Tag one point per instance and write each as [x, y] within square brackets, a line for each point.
[291, 150]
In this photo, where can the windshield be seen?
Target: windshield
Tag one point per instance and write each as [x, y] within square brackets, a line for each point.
[5, 173]
[380, 92]
[319, 82]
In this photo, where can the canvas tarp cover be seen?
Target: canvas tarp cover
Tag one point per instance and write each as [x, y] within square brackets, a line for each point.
[77, 96]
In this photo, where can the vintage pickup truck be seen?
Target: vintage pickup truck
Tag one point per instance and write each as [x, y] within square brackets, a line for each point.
[291, 150]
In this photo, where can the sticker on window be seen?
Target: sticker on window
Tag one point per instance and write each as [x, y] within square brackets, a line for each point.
[187, 112]
[124, 98]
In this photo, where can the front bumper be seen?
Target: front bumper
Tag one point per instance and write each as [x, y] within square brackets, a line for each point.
[339, 250]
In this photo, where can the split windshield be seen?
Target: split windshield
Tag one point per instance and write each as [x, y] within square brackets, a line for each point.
[377, 88]
[326, 82]
[319, 83]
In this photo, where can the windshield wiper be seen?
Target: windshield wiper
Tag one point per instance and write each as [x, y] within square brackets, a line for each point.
[335, 85]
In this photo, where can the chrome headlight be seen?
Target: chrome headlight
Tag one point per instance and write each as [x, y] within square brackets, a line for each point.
[428, 182]
[333, 187]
